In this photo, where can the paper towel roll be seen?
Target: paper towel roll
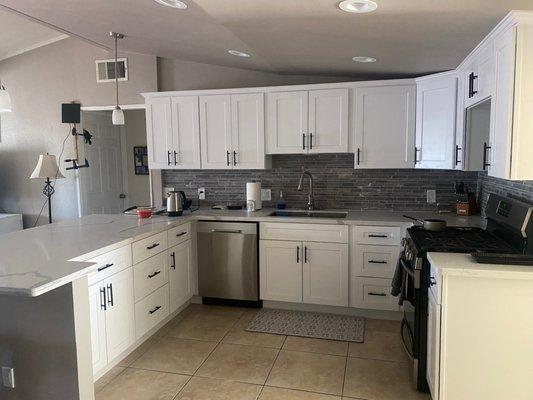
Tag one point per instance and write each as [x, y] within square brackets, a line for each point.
[253, 192]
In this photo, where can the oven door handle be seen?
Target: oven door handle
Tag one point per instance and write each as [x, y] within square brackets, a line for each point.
[412, 272]
[407, 350]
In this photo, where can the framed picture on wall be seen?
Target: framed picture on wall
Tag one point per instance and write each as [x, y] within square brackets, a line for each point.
[140, 158]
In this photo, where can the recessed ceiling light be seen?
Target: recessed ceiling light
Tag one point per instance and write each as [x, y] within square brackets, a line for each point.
[239, 53]
[173, 3]
[358, 6]
[364, 59]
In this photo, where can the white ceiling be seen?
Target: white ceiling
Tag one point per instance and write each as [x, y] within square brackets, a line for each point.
[408, 37]
[18, 35]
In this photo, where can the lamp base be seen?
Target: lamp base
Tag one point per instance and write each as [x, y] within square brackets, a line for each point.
[48, 191]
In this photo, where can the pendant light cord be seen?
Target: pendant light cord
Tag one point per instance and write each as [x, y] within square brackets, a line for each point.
[116, 67]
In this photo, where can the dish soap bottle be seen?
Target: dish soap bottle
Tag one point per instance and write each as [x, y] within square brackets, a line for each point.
[281, 205]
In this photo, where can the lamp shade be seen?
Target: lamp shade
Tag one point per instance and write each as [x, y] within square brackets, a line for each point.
[5, 100]
[118, 116]
[46, 168]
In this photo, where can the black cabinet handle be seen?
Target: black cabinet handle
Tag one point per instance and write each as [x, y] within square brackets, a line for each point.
[168, 157]
[358, 156]
[297, 254]
[234, 157]
[432, 281]
[103, 302]
[377, 262]
[471, 78]
[152, 246]
[457, 149]
[154, 274]
[373, 235]
[485, 148]
[310, 141]
[303, 141]
[416, 155]
[377, 294]
[181, 234]
[105, 267]
[305, 254]
[227, 158]
[175, 157]
[110, 292]
[154, 310]
[173, 256]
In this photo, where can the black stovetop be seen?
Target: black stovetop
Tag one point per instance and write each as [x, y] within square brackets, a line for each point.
[457, 240]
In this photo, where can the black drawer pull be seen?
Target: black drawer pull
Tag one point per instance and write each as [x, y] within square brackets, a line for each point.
[152, 246]
[181, 234]
[154, 310]
[105, 267]
[377, 262]
[173, 256]
[377, 294]
[377, 236]
[154, 274]
[432, 281]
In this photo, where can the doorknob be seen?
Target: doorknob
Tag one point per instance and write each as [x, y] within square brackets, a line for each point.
[122, 196]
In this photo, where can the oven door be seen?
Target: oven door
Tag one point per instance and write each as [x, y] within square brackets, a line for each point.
[409, 309]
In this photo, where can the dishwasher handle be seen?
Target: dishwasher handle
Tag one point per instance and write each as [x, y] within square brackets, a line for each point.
[226, 230]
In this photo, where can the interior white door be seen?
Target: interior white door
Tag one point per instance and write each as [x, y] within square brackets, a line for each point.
[119, 316]
[325, 273]
[248, 131]
[433, 346]
[502, 104]
[185, 133]
[159, 132]
[287, 122]
[215, 132]
[385, 126]
[180, 274]
[280, 270]
[98, 332]
[435, 122]
[102, 183]
[328, 121]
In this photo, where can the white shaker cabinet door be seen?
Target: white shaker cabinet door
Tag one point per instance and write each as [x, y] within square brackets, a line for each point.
[328, 121]
[287, 122]
[433, 346]
[185, 133]
[280, 270]
[180, 261]
[248, 131]
[120, 320]
[215, 132]
[159, 132]
[325, 273]
[385, 126]
[98, 331]
[435, 122]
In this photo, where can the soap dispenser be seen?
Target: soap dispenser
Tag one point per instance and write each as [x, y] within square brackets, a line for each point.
[281, 205]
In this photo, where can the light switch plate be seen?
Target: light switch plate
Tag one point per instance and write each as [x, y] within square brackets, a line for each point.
[8, 377]
[201, 193]
[266, 194]
[432, 196]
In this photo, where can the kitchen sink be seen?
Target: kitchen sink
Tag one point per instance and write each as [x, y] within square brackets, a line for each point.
[309, 214]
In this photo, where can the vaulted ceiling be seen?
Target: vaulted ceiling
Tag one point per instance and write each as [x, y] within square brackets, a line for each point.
[408, 37]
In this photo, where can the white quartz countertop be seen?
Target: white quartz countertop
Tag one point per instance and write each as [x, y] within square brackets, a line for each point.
[35, 261]
[465, 265]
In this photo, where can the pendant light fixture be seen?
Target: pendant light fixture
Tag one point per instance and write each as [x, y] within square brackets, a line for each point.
[5, 100]
[118, 114]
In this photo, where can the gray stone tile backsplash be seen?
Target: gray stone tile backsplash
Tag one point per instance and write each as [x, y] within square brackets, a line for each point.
[521, 190]
[337, 184]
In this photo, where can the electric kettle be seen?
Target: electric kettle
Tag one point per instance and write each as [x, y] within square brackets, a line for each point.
[175, 200]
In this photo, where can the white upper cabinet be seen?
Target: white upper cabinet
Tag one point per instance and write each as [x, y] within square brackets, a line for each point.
[172, 129]
[436, 121]
[248, 130]
[232, 131]
[478, 75]
[313, 121]
[385, 126]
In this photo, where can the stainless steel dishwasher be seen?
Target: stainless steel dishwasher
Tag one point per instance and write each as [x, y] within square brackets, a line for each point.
[228, 262]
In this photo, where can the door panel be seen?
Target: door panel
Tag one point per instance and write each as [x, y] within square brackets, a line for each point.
[385, 126]
[287, 119]
[159, 132]
[248, 136]
[328, 121]
[325, 273]
[180, 261]
[185, 133]
[280, 270]
[215, 131]
[433, 346]
[98, 331]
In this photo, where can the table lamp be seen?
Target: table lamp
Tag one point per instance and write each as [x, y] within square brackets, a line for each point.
[47, 169]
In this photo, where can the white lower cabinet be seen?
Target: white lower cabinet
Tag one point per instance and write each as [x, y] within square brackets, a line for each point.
[372, 293]
[180, 274]
[433, 346]
[151, 310]
[98, 334]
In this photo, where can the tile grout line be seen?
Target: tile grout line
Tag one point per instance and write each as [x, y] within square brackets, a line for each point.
[272, 367]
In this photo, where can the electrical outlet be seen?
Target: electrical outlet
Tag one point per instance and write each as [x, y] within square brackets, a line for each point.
[8, 377]
[266, 194]
[201, 193]
[432, 196]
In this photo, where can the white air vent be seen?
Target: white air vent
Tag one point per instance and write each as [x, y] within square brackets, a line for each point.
[105, 70]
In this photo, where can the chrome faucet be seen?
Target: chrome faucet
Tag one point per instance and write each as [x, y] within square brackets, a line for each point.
[311, 197]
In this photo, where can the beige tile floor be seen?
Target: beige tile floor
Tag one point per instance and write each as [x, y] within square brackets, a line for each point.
[206, 354]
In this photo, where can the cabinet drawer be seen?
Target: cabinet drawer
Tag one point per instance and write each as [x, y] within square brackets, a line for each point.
[179, 234]
[374, 261]
[149, 247]
[110, 263]
[151, 310]
[378, 235]
[372, 293]
[304, 232]
[150, 274]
